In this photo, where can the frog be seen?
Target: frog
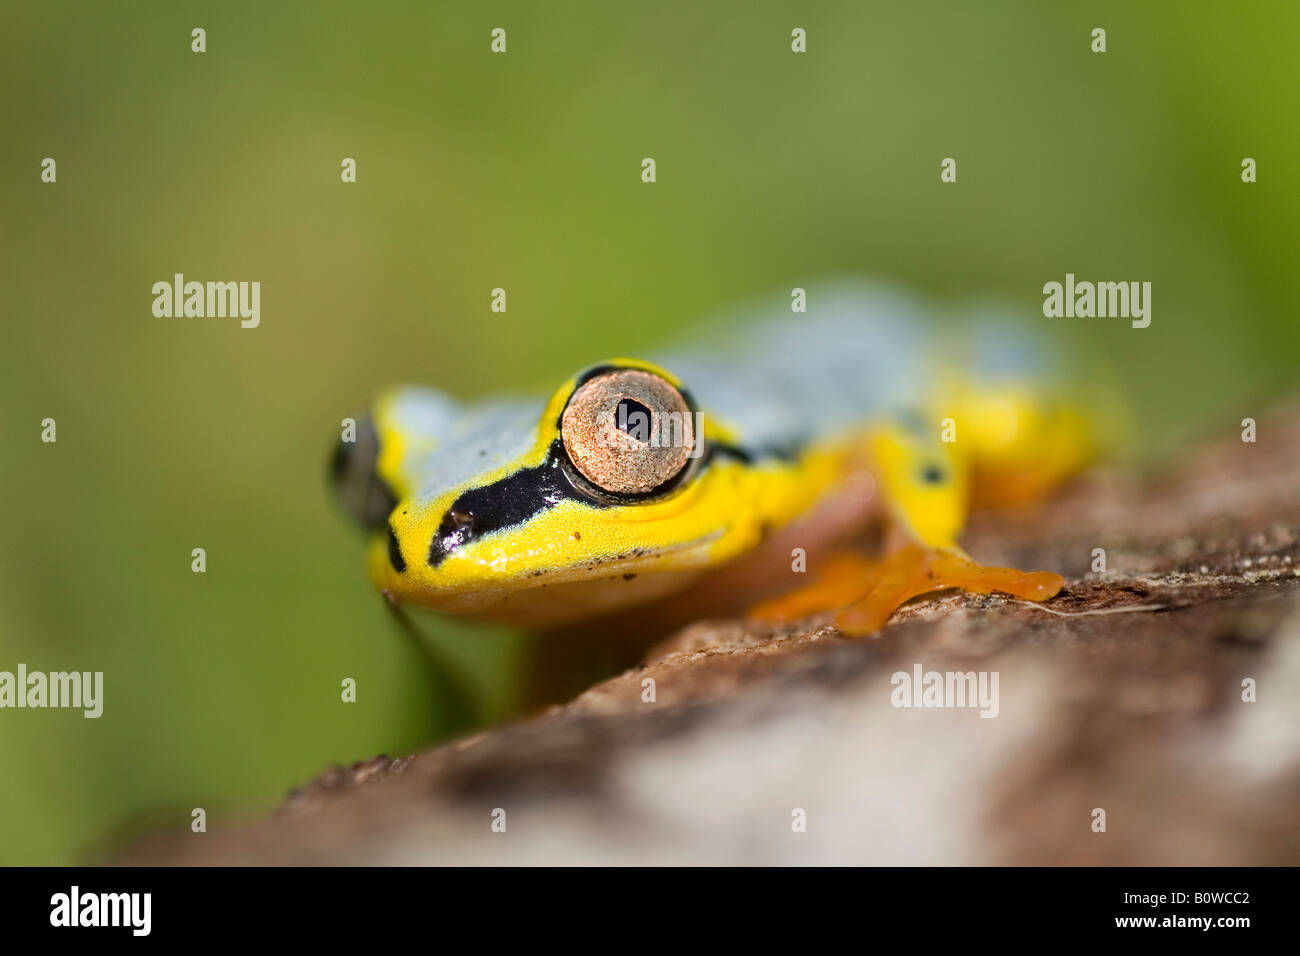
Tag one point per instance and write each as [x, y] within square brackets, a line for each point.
[767, 441]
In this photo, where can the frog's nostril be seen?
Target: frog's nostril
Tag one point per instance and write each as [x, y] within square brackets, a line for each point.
[456, 528]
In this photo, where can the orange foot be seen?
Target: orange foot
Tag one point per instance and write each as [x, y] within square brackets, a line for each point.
[865, 592]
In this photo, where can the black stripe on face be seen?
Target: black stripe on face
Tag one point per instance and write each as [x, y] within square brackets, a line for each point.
[510, 501]
[530, 491]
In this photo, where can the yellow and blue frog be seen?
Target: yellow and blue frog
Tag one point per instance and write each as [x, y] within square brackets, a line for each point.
[637, 482]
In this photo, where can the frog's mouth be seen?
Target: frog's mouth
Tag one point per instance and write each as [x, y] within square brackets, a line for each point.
[551, 594]
[637, 560]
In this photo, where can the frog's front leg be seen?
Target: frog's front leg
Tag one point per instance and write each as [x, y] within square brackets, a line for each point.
[926, 489]
[864, 592]
[916, 570]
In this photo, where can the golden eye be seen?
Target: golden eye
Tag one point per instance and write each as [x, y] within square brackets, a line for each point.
[628, 432]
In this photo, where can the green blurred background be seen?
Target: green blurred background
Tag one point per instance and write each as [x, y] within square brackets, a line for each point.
[521, 171]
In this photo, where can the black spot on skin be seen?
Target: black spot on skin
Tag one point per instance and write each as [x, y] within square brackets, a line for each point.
[577, 536]
[395, 552]
[628, 577]
[932, 475]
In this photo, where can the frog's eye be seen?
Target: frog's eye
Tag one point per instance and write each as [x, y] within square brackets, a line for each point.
[628, 432]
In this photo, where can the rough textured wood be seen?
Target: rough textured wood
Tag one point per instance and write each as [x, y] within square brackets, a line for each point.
[1139, 713]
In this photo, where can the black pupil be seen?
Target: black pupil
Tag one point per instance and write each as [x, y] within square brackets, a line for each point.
[633, 418]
